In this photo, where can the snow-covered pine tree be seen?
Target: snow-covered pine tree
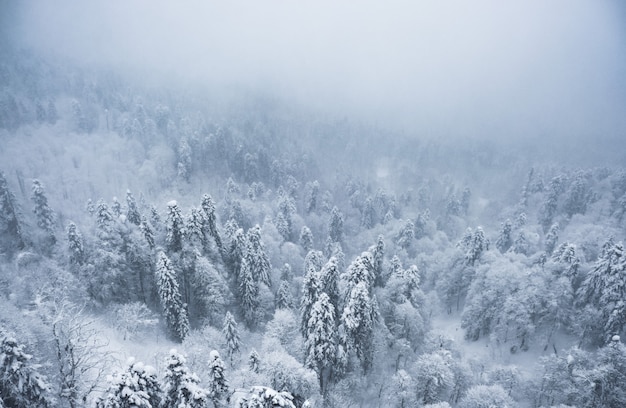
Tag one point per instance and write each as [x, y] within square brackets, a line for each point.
[359, 316]
[181, 387]
[504, 241]
[218, 385]
[184, 160]
[175, 228]
[605, 287]
[329, 281]
[236, 251]
[378, 256]
[306, 239]
[21, 385]
[310, 293]
[210, 220]
[248, 294]
[321, 340]
[174, 310]
[283, 298]
[552, 237]
[104, 220]
[132, 212]
[147, 232]
[405, 236]
[254, 361]
[116, 207]
[312, 196]
[75, 245]
[335, 225]
[231, 335]
[478, 244]
[194, 233]
[135, 387]
[361, 270]
[256, 258]
[368, 215]
[46, 219]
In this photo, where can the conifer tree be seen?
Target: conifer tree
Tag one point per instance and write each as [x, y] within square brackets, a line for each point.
[210, 220]
[378, 255]
[21, 385]
[605, 287]
[312, 196]
[75, 245]
[552, 237]
[182, 388]
[335, 225]
[284, 298]
[306, 239]
[175, 228]
[477, 245]
[104, 220]
[504, 241]
[231, 335]
[254, 361]
[218, 385]
[256, 258]
[194, 229]
[116, 207]
[406, 235]
[310, 293]
[132, 213]
[174, 310]
[136, 387]
[147, 231]
[45, 216]
[248, 294]
[329, 281]
[359, 316]
[368, 215]
[321, 339]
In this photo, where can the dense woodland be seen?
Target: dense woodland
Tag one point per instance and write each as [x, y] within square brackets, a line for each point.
[174, 246]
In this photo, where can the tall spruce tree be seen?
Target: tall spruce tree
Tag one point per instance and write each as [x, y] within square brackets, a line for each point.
[174, 310]
[46, 219]
[231, 335]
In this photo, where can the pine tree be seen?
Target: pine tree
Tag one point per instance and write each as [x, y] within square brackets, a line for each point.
[132, 213]
[477, 245]
[359, 316]
[306, 239]
[605, 287]
[194, 229]
[520, 245]
[182, 388]
[256, 258]
[284, 298]
[75, 245]
[335, 225]
[175, 228]
[21, 385]
[406, 235]
[136, 387]
[312, 196]
[329, 281]
[552, 237]
[173, 309]
[116, 208]
[210, 220]
[231, 335]
[254, 361]
[248, 294]
[218, 385]
[368, 215]
[361, 270]
[45, 216]
[236, 251]
[504, 241]
[147, 231]
[104, 220]
[310, 293]
[184, 160]
[286, 209]
[378, 255]
[321, 340]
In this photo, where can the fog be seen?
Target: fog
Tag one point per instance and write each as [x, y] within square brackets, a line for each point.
[455, 68]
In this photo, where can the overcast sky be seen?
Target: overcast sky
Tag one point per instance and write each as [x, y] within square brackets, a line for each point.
[523, 68]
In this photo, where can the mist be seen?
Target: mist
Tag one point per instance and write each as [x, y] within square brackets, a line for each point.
[483, 69]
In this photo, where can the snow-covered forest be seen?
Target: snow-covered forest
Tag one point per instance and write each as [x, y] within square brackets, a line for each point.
[181, 244]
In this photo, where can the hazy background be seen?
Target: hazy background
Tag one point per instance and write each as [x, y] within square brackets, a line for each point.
[456, 68]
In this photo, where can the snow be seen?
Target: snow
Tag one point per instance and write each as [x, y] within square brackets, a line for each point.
[172, 203]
